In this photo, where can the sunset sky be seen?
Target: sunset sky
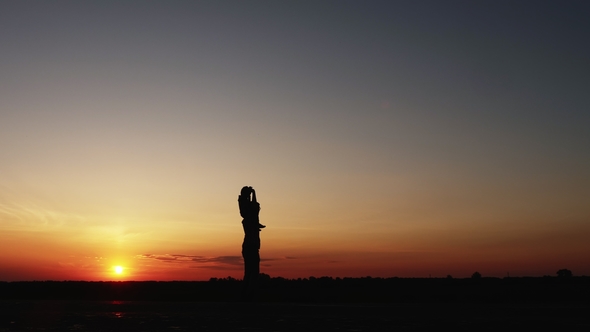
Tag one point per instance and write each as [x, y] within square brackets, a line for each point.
[384, 138]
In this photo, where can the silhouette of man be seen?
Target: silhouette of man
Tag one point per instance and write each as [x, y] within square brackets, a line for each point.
[249, 210]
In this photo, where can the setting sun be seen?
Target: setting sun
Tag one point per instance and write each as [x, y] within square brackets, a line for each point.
[118, 269]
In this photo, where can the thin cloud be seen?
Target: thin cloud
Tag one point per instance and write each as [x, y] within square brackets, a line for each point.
[228, 260]
[24, 215]
[214, 262]
[177, 258]
[166, 257]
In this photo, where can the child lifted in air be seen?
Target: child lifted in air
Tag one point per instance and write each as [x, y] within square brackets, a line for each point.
[249, 206]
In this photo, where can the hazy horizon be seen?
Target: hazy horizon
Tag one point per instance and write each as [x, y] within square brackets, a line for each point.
[383, 138]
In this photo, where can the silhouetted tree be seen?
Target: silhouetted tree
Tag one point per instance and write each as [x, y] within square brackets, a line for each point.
[563, 273]
[476, 275]
[449, 276]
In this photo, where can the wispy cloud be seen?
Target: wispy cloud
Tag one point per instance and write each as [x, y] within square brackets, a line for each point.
[166, 257]
[228, 260]
[23, 215]
[216, 262]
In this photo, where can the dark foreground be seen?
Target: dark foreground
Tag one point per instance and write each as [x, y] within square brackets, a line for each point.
[325, 290]
[46, 315]
[314, 304]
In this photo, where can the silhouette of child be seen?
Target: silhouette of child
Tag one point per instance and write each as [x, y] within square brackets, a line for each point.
[249, 207]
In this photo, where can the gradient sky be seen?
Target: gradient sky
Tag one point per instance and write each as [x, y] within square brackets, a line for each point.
[384, 138]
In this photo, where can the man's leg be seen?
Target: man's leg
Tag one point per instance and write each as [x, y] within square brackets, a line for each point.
[251, 271]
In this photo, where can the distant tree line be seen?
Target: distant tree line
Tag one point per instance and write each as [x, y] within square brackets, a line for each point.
[563, 288]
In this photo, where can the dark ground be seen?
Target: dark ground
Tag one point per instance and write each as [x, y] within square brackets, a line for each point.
[207, 316]
[548, 290]
[317, 304]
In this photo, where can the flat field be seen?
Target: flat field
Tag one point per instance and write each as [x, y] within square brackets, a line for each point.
[52, 315]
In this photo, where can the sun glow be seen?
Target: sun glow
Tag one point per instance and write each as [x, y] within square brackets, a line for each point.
[118, 269]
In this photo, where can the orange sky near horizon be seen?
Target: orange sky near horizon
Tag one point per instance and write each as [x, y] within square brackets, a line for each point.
[384, 139]
[348, 238]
